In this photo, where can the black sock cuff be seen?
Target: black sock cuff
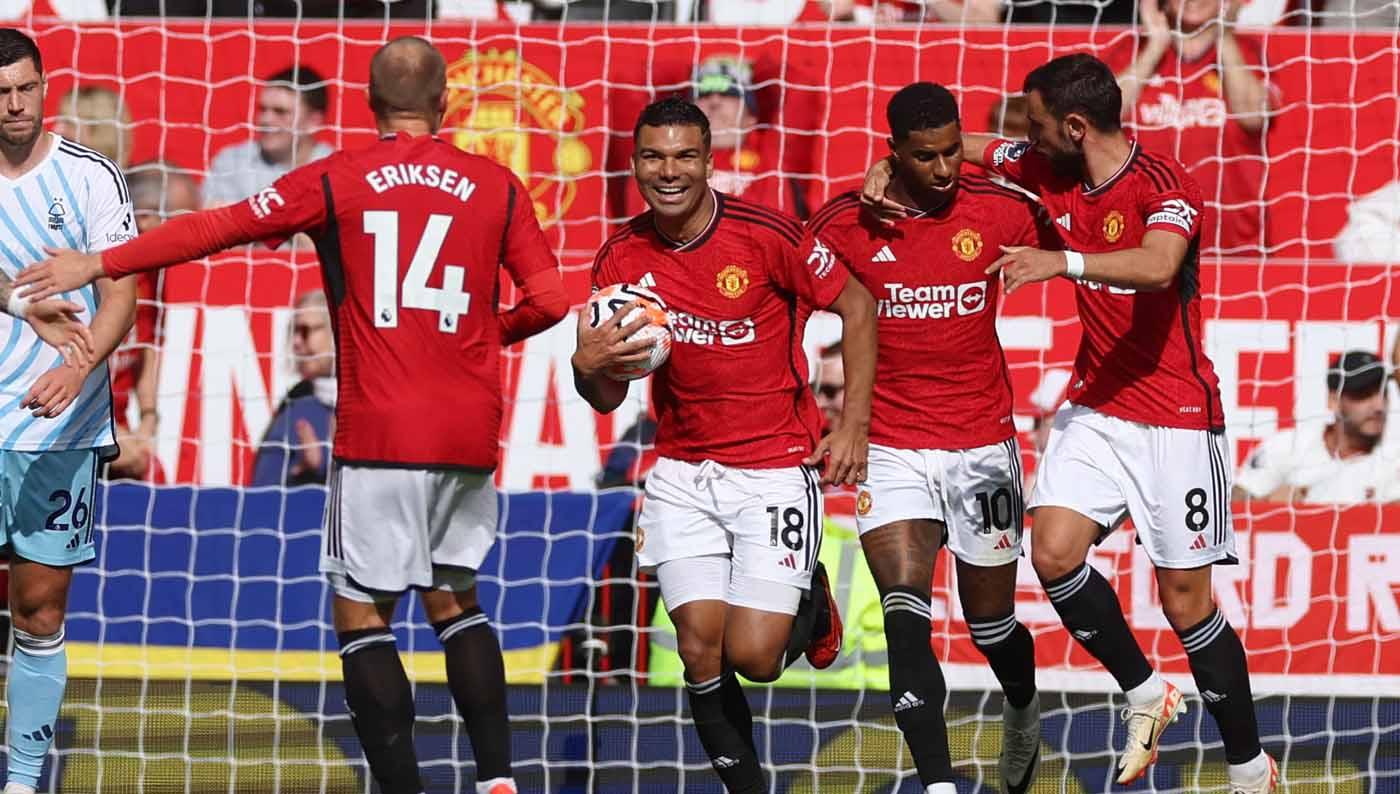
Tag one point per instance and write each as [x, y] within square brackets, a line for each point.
[1204, 633]
[446, 629]
[1069, 585]
[708, 686]
[906, 599]
[363, 639]
[987, 632]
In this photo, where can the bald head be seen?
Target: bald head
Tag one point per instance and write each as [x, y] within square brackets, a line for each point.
[407, 78]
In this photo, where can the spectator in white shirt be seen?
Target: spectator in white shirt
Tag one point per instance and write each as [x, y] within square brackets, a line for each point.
[291, 109]
[1372, 233]
[1342, 463]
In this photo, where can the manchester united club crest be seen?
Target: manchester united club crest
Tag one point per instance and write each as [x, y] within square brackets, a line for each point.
[1113, 226]
[732, 281]
[863, 503]
[967, 244]
[515, 113]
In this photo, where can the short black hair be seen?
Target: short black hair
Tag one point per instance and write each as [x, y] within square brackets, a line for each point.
[920, 106]
[15, 47]
[1082, 84]
[673, 111]
[307, 82]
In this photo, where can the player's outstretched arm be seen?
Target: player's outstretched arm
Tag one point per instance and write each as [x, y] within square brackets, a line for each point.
[606, 346]
[847, 449]
[56, 389]
[543, 302]
[1149, 268]
[55, 321]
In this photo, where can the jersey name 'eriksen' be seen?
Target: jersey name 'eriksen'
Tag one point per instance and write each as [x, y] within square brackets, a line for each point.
[403, 174]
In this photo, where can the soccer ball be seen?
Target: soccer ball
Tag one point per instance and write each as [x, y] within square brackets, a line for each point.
[609, 300]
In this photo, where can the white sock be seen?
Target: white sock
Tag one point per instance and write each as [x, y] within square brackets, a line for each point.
[18, 788]
[1147, 692]
[941, 788]
[486, 786]
[1250, 771]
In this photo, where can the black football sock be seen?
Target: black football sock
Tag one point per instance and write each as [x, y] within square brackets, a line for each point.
[1221, 670]
[476, 676]
[1090, 610]
[730, 753]
[917, 689]
[1010, 652]
[380, 700]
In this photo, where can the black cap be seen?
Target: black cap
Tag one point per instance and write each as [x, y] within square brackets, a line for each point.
[1356, 373]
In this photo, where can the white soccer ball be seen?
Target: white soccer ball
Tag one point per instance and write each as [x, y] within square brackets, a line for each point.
[610, 300]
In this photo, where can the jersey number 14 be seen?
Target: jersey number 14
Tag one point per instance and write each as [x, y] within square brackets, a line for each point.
[450, 301]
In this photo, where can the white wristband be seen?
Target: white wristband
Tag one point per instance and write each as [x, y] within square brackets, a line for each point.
[17, 306]
[1074, 264]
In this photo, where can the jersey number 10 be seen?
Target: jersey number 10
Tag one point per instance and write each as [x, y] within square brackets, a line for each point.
[450, 301]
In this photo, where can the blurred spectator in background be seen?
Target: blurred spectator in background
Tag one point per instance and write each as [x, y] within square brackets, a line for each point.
[158, 193]
[1342, 463]
[884, 12]
[291, 109]
[1372, 233]
[631, 457]
[96, 118]
[1070, 12]
[296, 449]
[1010, 118]
[1378, 15]
[1199, 94]
[829, 385]
[746, 153]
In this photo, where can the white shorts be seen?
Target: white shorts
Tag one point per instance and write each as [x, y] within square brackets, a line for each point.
[389, 530]
[711, 578]
[767, 521]
[1175, 483]
[975, 493]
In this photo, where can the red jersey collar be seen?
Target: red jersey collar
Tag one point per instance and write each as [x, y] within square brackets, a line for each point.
[1117, 175]
[699, 240]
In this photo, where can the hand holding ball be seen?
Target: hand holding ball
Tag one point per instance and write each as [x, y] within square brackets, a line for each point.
[606, 302]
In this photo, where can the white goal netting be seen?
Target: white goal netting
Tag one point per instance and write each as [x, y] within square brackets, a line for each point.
[202, 657]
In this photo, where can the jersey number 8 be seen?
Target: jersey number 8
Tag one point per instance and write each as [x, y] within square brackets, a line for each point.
[450, 301]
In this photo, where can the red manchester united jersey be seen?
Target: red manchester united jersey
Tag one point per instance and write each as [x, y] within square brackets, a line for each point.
[735, 388]
[411, 233]
[940, 378]
[1140, 357]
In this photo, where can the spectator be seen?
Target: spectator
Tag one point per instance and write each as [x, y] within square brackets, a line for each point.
[296, 448]
[1372, 233]
[746, 153]
[885, 12]
[1379, 15]
[829, 385]
[96, 118]
[158, 192]
[1342, 463]
[291, 108]
[1198, 93]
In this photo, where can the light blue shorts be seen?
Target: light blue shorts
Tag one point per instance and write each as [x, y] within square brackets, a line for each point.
[46, 505]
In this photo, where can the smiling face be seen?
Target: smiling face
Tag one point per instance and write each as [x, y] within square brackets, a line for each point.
[929, 161]
[672, 166]
[22, 91]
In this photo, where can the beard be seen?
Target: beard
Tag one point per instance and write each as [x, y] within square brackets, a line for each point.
[20, 139]
[1067, 163]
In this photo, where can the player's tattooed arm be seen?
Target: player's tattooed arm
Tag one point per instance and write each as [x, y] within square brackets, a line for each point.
[57, 388]
[606, 346]
[55, 321]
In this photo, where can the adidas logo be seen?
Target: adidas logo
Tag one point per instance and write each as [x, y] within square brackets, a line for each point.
[1213, 697]
[1004, 543]
[724, 762]
[789, 561]
[44, 734]
[647, 280]
[73, 544]
[1084, 636]
[883, 255]
[1199, 544]
[1063, 220]
[907, 701]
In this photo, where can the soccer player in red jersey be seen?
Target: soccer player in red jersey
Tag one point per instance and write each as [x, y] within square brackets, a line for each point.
[411, 233]
[944, 463]
[1142, 433]
[732, 515]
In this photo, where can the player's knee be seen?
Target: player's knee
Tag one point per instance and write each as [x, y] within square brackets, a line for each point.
[40, 618]
[1053, 560]
[1184, 604]
[758, 664]
[701, 655]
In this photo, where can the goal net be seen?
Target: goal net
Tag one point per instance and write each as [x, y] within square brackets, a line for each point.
[201, 653]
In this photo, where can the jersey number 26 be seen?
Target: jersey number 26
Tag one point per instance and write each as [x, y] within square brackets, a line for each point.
[450, 301]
